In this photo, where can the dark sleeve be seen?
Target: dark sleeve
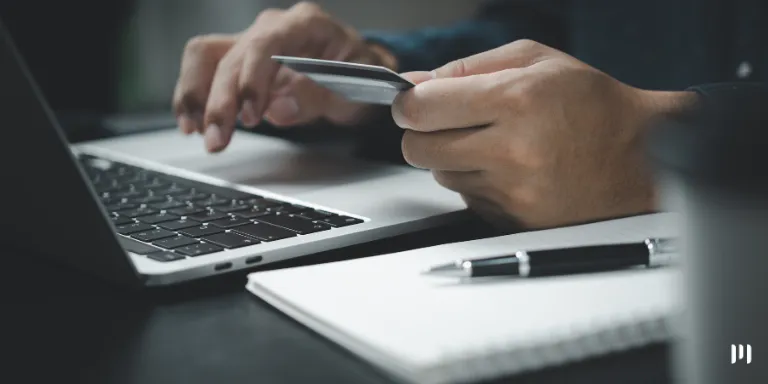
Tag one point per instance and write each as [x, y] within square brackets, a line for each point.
[495, 24]
[720, 140]
[726, 98]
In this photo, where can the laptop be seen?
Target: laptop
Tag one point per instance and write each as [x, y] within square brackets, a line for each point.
[154, 209]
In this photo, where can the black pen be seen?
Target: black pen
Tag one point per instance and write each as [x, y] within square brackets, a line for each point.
[653, 252]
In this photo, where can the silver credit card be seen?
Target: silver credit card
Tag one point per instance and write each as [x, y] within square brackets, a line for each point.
[356, 82]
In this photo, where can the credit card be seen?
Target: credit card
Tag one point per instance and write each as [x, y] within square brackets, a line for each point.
[361, 83]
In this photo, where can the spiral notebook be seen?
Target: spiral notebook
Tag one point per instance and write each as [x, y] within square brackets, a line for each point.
[436, 330]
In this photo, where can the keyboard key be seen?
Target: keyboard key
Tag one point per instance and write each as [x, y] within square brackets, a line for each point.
[230, 240]
[171, 190]
[157, 218]
[121, 207]
[266, 203]
[295, 224]
[110, 187]
[252, 200]
[341, 221]
[192, 196]
[148, 199]
[175, 242]
[230, 222]
[132, 179]
[315, 214]
[209, 188]
[236, 195]
[136, 247]
[118, 220]
[198, 249]
[127, 229]
[286, 208]
[264, 232]
[167, 205]
[186, 211]
[200, 231]
[207, 216]
[132, 213]
[126, 194]
[212, 201]
[152, 235]
[165, 256]
[111, 200]
[154, 183]
[252, 213]
[178, 224]
[150, 176]
[232, 207]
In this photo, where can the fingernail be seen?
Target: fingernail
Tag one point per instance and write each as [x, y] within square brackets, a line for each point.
[399, 118]
[284, 109]
[185, 124]
[213, 137]
[248, 114]
[197, 121]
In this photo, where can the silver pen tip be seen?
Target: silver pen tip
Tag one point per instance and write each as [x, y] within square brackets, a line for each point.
[457, 269]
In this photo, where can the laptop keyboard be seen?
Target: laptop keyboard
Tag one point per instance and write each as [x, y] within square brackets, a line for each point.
[169, 218]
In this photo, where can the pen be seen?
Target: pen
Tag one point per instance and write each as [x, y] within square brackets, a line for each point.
[652, 252]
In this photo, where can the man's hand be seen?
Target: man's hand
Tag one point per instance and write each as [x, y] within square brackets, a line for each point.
[223, 75]
[529, 135]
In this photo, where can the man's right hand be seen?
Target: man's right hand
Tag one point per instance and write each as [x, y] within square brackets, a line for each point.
[226, 75]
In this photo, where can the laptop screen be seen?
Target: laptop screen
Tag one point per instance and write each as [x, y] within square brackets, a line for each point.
[72, 50]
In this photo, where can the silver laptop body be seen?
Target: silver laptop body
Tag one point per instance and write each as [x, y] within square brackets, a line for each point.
[265, 200]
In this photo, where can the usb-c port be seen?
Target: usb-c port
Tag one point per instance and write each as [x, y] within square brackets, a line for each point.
[222, 266]
[253, 259]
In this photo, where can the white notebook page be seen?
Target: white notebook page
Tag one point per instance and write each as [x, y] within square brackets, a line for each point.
[423, 328]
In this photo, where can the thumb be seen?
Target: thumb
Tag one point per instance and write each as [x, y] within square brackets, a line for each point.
[518, 54]
[417, 76]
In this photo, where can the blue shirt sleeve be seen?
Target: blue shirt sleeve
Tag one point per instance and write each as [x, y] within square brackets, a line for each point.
[497, 23]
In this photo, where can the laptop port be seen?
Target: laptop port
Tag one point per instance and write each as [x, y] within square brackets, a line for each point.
[253, 259]
[222, 266]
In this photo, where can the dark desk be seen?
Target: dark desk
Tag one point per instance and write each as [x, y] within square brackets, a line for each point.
[69, 328]
[77, 330]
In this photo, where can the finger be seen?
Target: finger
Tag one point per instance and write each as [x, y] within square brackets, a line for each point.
[223, 101]
[300, 101]
[198, 66]
[492, 212]
[473, 183]
[518, 54]
[248, 114]
[190, 123]
[449, 103]
[303, 30]
[456, 150]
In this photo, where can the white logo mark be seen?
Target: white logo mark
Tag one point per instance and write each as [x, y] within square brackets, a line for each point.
[740, 356]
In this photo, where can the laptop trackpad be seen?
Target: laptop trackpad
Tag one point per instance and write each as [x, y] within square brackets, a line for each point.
[259, 161]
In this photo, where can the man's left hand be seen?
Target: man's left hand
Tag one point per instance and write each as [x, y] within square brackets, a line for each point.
[529, 135]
